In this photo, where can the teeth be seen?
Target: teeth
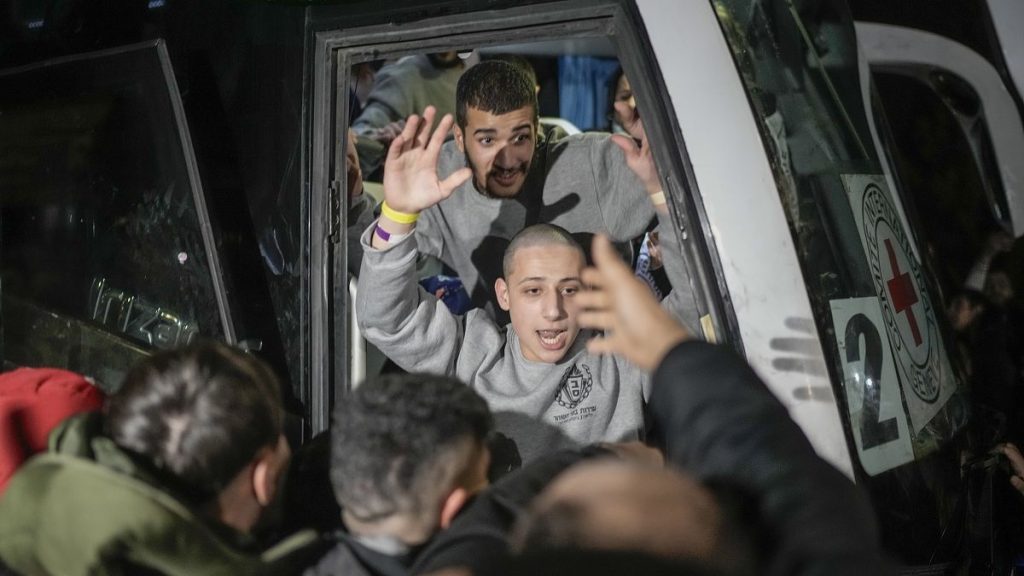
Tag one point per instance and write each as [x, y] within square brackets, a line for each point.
[549, 336]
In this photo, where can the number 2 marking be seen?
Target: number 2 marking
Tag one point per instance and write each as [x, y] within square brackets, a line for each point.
[872, 431]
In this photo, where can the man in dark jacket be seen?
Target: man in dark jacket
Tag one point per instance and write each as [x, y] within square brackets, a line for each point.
[731, 449]
[407, 451]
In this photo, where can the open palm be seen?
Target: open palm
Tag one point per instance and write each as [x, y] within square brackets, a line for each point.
[411, 183]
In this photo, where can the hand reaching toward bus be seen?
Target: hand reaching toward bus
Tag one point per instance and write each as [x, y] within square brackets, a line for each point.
[411, 184]
[635, 325]
[1016, 464]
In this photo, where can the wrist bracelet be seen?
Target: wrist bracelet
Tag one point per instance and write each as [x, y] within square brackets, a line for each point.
[658, 198]
[396, 216]
[388, 237]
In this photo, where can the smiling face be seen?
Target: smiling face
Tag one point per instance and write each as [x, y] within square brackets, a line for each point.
[499, 149]
[539, 294]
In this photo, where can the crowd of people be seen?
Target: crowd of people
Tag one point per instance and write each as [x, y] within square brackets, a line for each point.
[573, 421]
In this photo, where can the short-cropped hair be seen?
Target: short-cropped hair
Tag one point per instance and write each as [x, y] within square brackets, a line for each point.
[396, 438]
[200, 413]
[496, 87]
[538, 235]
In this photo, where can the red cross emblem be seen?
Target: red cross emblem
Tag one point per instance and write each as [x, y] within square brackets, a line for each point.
[902, 293]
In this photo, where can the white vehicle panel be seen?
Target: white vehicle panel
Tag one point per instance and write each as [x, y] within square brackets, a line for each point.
[884, 44]
[749, 227]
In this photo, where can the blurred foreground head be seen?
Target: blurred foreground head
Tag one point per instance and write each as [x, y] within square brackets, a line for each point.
[210, 417]
[658, 516]
[407, 451]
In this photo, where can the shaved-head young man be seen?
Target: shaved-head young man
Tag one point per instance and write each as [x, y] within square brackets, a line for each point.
[544, 389]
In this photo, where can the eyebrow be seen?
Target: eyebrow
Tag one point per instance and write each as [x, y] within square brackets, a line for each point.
[525, 126]
[542, 278]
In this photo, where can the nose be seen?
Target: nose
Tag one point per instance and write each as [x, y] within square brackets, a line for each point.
[504, 157]
[554, 306]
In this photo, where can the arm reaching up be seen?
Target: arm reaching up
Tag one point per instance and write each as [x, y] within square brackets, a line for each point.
[411, 184]
[634, 325]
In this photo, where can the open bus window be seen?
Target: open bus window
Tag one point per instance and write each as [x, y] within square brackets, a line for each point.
[103, 249]
[576, 83]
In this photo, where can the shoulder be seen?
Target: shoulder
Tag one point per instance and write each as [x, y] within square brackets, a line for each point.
[339, 560]
[583, 141]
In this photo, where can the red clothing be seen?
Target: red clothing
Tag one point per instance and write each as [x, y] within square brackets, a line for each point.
[32, 402]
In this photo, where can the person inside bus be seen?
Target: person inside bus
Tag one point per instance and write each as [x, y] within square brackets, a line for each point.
[621, 103]
[170, 478]
[400, 89]
[585, 183]
[743, 492]
[545, 390]
[721, 428]
[407, 451]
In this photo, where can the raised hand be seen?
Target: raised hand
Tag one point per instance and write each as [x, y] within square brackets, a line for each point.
[641, 161]
[635, 326]
[411, 184]
[1016, 464]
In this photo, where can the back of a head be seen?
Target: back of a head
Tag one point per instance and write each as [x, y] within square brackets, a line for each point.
[496, 87]
[400, 441]
[538, 235]
[200, 413]
[572, 560]
[613, 509]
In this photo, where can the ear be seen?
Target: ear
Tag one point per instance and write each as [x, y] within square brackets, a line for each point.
[501, 291]
[267, 470]
[451, 506]
[459, 138]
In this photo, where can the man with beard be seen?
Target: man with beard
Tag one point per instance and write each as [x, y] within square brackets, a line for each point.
[586, 183]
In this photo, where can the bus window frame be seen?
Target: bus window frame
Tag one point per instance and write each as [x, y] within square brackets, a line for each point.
[335, 51]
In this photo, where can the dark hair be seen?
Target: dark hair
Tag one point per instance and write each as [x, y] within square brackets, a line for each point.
[612, 88]
[393, 434]
[538, 235]
[572, 560]
[494, 86]
[200, 413]
[520, 62]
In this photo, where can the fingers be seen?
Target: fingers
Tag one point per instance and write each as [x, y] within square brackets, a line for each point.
[1014, 456]
[423, 134]
[1017, 483]
[592, 277]
[408, 135]
[594, 299]
[602, 345]
[608, 261]
[598, 320]
[441, 133]
[455, 180]
[627, 144]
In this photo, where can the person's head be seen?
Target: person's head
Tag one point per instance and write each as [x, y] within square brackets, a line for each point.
[210, 417]
[444, 60]
[540, 279]
[998, 285]
[524, 65]
[619, 90]
[496, 118]
[407, 451]
[616, 505]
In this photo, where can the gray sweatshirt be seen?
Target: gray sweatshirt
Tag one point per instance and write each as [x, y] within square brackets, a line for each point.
[542, 407]
[580, 182]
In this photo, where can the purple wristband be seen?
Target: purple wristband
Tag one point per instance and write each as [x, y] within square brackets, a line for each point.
[382, 233]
